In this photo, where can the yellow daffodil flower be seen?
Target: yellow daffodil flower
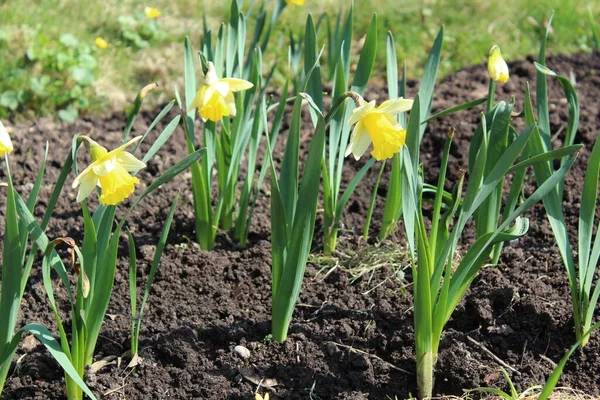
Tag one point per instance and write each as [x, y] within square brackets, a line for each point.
[101, 43]
[293, 3]
[110, 171]
[6, 146]
[152, 12]
[260, 397]
[378, 125]
[497, 66]
[215, 98]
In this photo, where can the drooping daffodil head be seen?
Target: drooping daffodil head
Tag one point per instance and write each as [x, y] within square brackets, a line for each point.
[378, 125]
[293, 3]
[6, 146]
[215, 98]
[497, 67]
[109, 170]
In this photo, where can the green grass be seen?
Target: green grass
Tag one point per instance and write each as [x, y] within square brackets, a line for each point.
[471, 28]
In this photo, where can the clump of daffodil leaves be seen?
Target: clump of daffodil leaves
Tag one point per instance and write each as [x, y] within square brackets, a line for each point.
[112, 174]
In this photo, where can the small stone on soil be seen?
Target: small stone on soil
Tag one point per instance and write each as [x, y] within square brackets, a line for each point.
[242, 352]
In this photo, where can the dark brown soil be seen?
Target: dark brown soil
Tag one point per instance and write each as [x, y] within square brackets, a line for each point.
[203, 304]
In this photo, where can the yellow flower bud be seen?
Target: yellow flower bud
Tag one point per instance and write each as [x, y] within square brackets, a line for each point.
[293, 3]
[152, 12]
[101, 43]
[497, 66]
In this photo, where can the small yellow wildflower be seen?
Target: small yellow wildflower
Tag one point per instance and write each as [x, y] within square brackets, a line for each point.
[497, 66]
[260, 397]
[152, 12]
[293, 3]
[110, 171]
[378, 125]
[101, 43]
[215, 98]
[6, 146]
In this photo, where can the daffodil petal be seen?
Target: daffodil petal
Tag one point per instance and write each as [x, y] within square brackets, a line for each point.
[105, 166]
[359, 141]
[129, 162]
[395, 106]
[361, 112]
[235, 85]
[87, 181]
[206, 93]
[126, 145]
[6, 145]
[222, 87]
[230, 101]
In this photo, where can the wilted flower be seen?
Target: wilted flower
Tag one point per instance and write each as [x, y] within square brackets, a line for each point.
[6, 145]
[378, 125]
[260, 397]
[101, 43]
[152, 12]
[293, 3]
[215, 98]
[497, 66]
[110, 171]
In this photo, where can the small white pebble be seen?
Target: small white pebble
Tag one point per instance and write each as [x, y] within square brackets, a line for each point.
[242, 352]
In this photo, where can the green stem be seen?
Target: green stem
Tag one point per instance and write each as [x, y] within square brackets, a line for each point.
[491, 93]
[4, 368]
[425, 366]
[330, 241]
[372, 203]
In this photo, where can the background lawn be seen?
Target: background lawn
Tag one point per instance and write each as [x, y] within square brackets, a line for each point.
[49, 61]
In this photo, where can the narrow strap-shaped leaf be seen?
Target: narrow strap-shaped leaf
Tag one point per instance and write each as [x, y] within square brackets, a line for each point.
[469, 265]
[350, 189]
[132, 289]
[366, 59]
[162, 139]
[288, 179]
[10, 296]
[573, 107]
[160, 247]
[541, 91]
[545, 157]
[189, 81]
[391, 64]
[44, 336]
[461, 107]
[301, 237]
[155, 122]
[31, 200]
[428, 81]
[556, 374]
[587, 213]
[311, 59]
[135, 110]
